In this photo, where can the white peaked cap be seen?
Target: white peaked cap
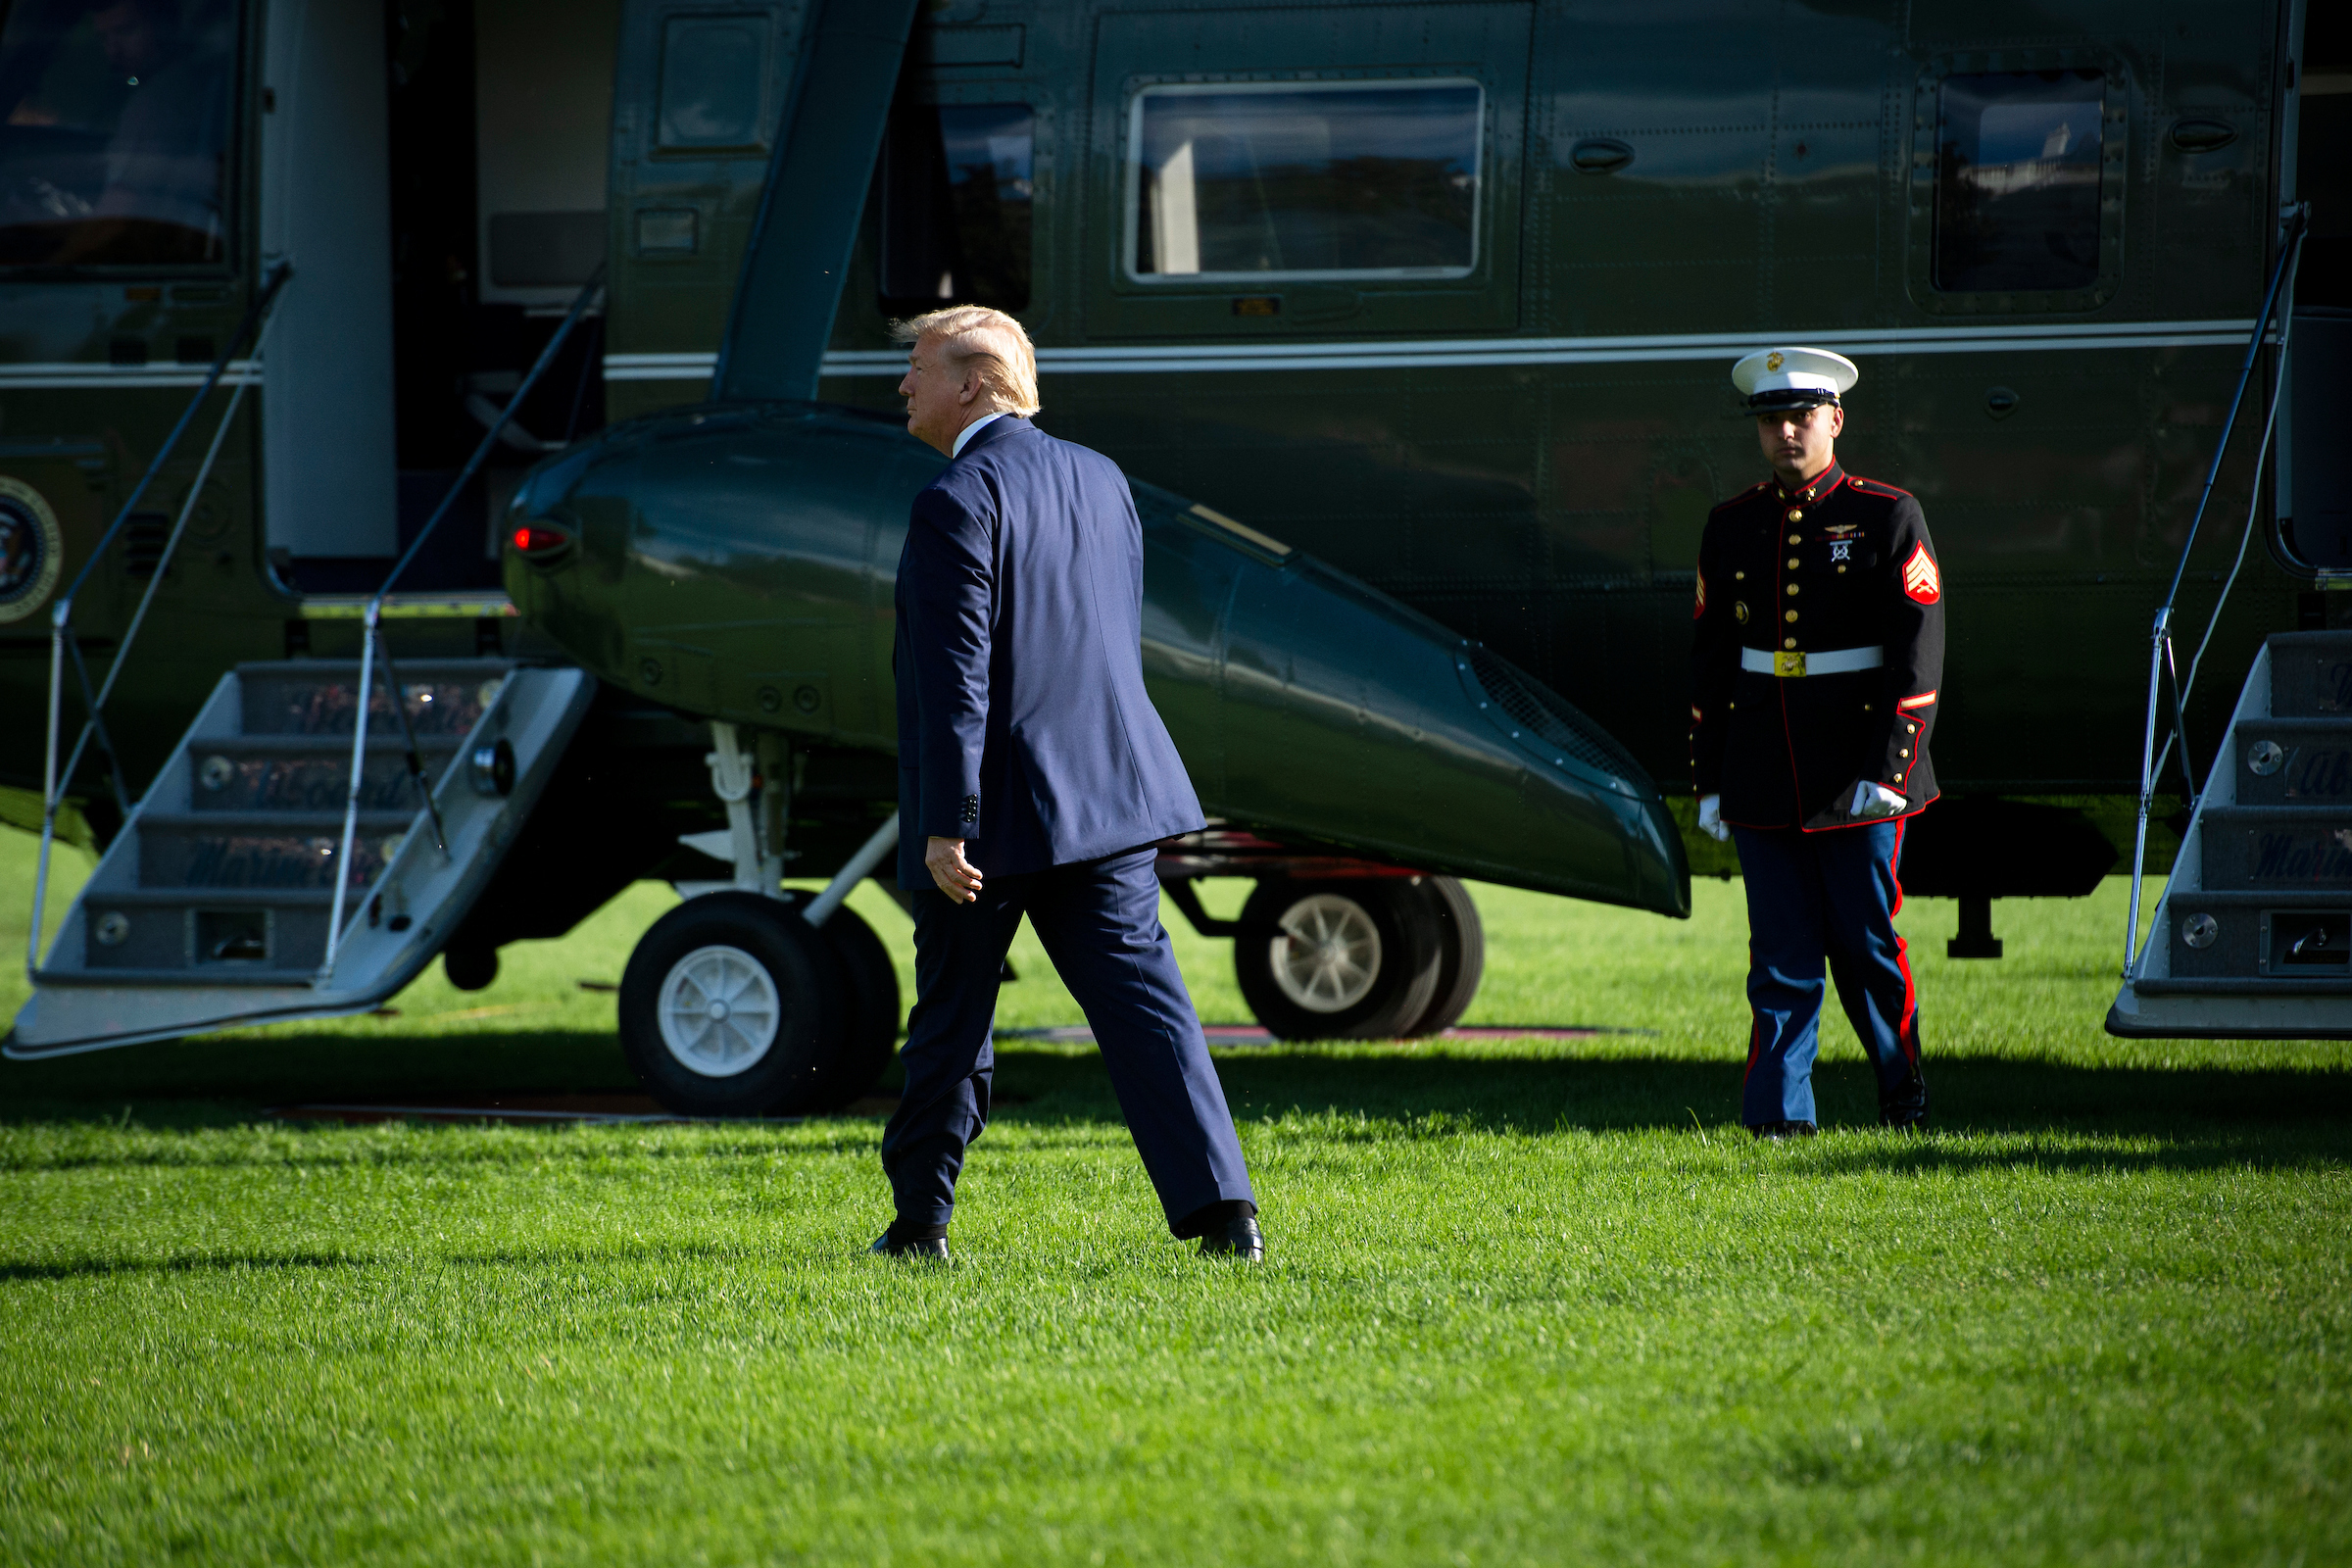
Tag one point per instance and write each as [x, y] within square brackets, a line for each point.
[1793, 377]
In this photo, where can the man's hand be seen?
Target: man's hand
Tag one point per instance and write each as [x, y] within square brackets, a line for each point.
[943, 858]
[1875, 800]
[1711, 817]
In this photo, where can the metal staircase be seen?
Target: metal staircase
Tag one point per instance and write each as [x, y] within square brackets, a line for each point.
[2253, 938]
[212, 905]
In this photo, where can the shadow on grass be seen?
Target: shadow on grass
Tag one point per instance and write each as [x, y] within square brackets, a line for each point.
[209, 1263]
[233, 1262]
[2208, 1113]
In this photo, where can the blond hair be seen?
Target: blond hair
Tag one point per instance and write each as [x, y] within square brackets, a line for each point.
[973, 336]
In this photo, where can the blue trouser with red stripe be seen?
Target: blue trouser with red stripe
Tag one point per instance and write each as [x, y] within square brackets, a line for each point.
[1819, 901]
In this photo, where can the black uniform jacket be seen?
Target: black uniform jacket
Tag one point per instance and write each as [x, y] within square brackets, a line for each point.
[1840, 563]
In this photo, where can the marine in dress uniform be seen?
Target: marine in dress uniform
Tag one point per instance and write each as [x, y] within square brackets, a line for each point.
[1818, 657]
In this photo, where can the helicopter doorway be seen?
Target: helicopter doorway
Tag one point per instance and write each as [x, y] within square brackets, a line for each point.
[466, 143]
[2314, 425]
[326, 427]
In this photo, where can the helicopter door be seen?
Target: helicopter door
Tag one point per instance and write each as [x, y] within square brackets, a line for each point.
[326, 423]
[2315, 424]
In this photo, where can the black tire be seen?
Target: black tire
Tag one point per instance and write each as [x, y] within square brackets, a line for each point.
[721, 938]
[469, 968]
[1388, 983]
[874, 1015]
[1461, 954]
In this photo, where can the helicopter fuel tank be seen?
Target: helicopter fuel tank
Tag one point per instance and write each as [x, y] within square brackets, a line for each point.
[736, 561]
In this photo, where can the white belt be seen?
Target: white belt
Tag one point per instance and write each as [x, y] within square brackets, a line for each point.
[1792, 664]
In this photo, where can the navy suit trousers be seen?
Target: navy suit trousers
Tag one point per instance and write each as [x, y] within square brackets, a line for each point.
[1815, 901]
[1100, 923]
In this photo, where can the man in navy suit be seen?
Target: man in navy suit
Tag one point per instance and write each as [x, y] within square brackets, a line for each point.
[1035, 777]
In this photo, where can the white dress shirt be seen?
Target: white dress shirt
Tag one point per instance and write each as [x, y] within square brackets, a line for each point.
[971, 430]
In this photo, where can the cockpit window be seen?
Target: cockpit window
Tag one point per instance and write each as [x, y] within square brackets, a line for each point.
[2018, 159]
[956, 198]
[1256, 181]
[115, 131]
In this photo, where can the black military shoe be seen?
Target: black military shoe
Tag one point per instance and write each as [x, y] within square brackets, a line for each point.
[1780, 1131]
[1906, 1110]
[933, 1249]
[1236, 1238]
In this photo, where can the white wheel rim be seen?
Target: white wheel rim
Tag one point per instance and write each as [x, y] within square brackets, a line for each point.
[719, 1012]
[1327, 959]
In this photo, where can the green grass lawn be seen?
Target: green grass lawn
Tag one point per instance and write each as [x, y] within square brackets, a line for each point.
[1528, 1301]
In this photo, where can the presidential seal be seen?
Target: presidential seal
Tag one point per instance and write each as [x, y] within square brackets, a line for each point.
[32, 550]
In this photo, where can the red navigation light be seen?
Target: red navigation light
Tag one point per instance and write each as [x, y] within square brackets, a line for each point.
[534, 540]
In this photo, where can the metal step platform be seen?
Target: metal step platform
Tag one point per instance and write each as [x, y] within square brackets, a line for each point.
[211, 907]
[2253, 937]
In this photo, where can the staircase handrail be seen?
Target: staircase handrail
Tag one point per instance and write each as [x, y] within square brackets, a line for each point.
[371, 636]
[54, 780]
[2163, 666]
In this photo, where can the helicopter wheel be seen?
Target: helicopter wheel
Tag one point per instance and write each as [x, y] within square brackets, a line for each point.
[871, 1021]
[1355, 960]
[729, 1005]
[1461, 954]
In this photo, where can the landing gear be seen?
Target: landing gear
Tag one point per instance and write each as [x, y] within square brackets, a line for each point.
[733, 1006]
[1358, 959]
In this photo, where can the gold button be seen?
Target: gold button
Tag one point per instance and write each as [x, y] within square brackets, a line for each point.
[1866, 708]
[1841, 570]
[1739, 576]
[1790, 615]
[1788, 642]
[1905, 751]
[1797, 514]
[1796, 538]
[1793, 564]
[1792, 587]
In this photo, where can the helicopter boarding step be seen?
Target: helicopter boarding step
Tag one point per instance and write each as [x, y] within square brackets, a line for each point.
[212, 905]
[2253, 938]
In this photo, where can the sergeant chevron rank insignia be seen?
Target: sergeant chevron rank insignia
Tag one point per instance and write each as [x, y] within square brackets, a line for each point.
[1920, 578]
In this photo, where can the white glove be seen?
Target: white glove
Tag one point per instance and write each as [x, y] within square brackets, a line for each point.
[1711, 817]
[1875, 800]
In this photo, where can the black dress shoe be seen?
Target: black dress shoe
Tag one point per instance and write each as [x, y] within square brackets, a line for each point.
[1236, 1238]
[1780, 1131]
[932, 1248]
[1904, 1119]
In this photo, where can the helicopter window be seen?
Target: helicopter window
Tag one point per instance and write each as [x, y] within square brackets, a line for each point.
[2017, 181]
[957, 193]
[114, 130]
[713, 69]
[1297, 179]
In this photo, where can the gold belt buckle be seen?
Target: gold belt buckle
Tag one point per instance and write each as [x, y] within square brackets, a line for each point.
[1785, 663]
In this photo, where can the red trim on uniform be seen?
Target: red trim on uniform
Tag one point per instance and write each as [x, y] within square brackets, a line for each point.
[1921, 701]
[1833, 475]
[1906, 1033]
[1861, 483]
[1863, 821]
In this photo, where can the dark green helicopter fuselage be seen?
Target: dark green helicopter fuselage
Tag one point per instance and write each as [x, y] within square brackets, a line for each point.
[1515, 424]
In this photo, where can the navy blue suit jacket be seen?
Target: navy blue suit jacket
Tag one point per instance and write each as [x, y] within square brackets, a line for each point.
[1023, 723]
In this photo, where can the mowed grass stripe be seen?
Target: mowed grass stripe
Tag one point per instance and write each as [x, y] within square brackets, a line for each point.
[1529, 1301]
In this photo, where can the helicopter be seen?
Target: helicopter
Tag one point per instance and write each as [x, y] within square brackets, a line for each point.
[544, 545]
